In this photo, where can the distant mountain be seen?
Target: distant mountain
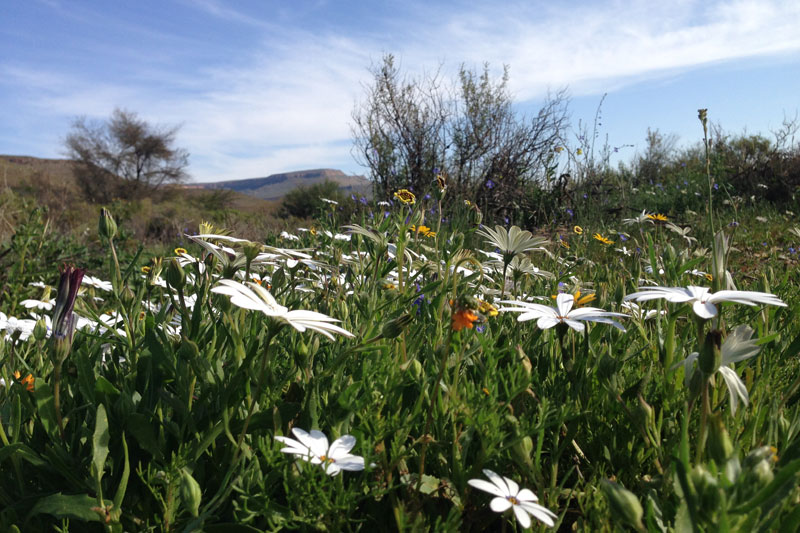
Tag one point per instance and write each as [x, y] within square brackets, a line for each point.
[276, 186]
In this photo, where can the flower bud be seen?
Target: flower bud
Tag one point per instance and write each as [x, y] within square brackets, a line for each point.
[707, 489]
[40, 330]
[393, 328]
[176, 277]
[106, 226]
[623, 503]
[154, 273]
[719, 443]
[523, 449]
[190, 492]
[711, 355]
[416, 369]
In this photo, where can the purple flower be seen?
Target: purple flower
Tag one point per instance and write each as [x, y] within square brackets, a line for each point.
[585, 196]
[489, 184]
[363, 200]
[570, 213]
[792, 250]
[63, 318]
[427, 197]
[622, 237]
[716, 186]
[386, 214]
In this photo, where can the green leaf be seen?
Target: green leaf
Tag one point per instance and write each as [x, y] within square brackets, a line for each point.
[230, 528]
[23, 452]
[123, 482]
[45, 407]
[100, 443]
[142, 430]
[103, 386]
[72, 506]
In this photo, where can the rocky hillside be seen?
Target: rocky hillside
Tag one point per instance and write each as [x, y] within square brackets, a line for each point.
[275, 186]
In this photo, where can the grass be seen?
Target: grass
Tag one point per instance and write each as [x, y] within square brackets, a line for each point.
[170, 396]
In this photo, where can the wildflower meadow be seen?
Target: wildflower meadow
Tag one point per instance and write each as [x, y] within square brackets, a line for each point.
[412, 368]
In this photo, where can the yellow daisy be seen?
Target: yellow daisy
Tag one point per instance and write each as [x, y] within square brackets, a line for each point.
[602, 239]
[405, 196]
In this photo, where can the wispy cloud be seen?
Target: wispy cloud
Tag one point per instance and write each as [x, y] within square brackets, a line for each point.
[285, 100]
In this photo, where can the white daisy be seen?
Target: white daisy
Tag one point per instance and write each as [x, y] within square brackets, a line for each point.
[256, 298]
[547, 317]
[702, 299]
[313, 447]
[508, 495]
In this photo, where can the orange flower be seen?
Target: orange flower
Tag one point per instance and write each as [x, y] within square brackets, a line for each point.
[27, 380]
[463, 318]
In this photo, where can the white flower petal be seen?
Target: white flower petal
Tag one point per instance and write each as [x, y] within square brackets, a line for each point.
[342, 446]
[500, 504]
[736, 388]
[526, 495]
[491, 488]
[705, 310]
[522, 516]
[544, 515]
[547, 322]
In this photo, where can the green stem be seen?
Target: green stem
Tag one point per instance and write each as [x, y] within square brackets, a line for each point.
[57, 398]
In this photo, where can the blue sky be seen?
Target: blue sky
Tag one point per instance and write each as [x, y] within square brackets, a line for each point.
[265, 86]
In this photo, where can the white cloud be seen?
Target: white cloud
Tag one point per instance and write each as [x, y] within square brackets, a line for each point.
[285, 102]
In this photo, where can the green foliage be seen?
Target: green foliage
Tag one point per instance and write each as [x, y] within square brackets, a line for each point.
[164, 414]
[307, 201]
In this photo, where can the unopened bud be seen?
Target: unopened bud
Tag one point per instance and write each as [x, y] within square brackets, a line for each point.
[623, 503]
[394, 327]
[190, 492]
[523, 449]
[40, 330]
[106, 225]
[711, 354]
[707, 489]
[176, 277]
[719, 444]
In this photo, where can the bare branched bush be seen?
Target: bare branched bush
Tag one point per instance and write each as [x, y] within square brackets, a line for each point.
[407, 130]
[124, 157]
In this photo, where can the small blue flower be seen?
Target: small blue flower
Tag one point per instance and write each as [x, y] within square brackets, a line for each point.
[733, 224]
[716, 186]
[570, 213]
[386, 214]
[622, 237]
[480, 329]
[363, 200]
[489, 184]
[792, 250]
[427, 197]
[585, 196]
